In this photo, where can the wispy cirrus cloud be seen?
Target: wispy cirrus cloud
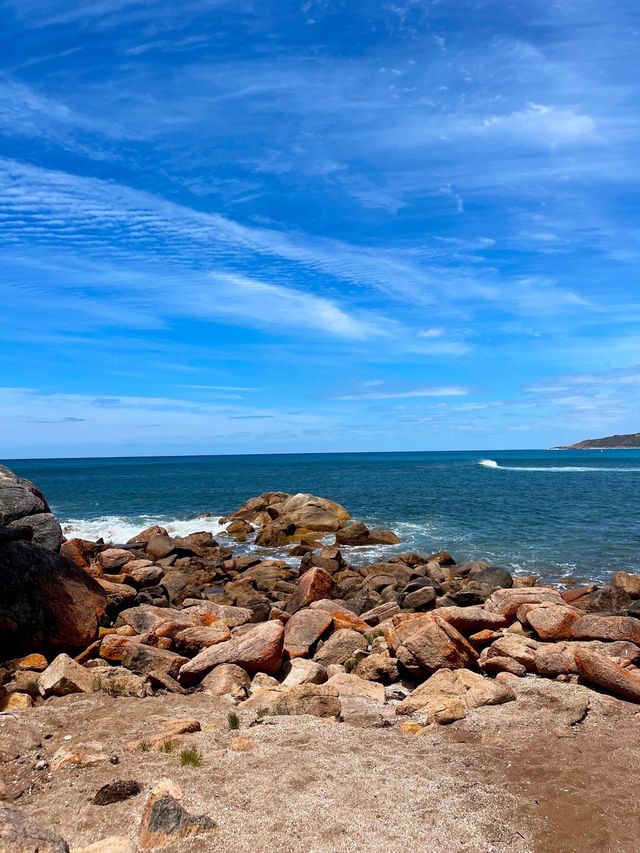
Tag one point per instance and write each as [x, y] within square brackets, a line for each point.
[413, 393]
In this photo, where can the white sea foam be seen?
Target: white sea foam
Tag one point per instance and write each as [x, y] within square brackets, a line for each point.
[559, 469]
[119, 529]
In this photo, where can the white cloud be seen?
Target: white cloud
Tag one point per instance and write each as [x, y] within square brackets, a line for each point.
[435, 391]
[540, 123]
[436, 332]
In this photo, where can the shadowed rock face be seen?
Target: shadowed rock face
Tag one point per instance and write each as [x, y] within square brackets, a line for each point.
[21, 834]
[46, 603]
[23, 504]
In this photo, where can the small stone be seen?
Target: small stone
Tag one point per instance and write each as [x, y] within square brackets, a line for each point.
[409, 728]
[16, 702]
[35, 662]
[116, 792]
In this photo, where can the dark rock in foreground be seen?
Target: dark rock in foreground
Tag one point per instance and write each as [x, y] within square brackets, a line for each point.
[46, 603]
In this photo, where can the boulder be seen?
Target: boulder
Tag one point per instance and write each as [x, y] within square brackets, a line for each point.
[314, 585]
[240, 530]
[166, 822]
[319, 700]
[303, 630]
[231, 616]
[432, 643]
[595, 627]
[469, 620]
[352, 686]
[191, 641]
[303, 671]
[258, 650]
[143, 659]
[433, 698]
[378, 667]
[493, 577]
[227, 679]
[117, 681]
[340, 647]
[507, 601]
[21, 834]
[45, 529]
[550, 622]
[609, 599]
[148, 533]
[553, 659]
[64, 676]
[627, 582]
[111, 560]
[521, 649]
[602, 671]
[47, 603]
[358, 534]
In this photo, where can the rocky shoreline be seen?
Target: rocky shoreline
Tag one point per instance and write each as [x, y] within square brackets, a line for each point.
[414, 645]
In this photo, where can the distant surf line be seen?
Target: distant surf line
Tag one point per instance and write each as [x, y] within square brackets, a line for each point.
[566, 469]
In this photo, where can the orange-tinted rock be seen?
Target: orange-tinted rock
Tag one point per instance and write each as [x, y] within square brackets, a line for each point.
[600, 670]
[550, 622]
[340, 646]
[438, 695]
[76, 552]
[113, 559]
[303, 630]
[472, 619]
[47, 603]
[595, 627]
[258, 650]
[145, 535]
[143, 659]
[629, 583]
[433, 643]
[349, 620]
[165, 822]
[33, 661]
[312, 586]
[191, 641]
[507, 601]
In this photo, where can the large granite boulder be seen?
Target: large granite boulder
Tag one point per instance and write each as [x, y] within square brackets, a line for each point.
[22, 504]
[47, 603]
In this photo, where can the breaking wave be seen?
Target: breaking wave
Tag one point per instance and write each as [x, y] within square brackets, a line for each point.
[561, 469]
[119, 529]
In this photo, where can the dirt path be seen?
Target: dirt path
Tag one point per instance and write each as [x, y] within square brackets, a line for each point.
[555, 771]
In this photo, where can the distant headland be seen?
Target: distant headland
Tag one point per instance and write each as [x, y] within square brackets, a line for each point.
[611, 442]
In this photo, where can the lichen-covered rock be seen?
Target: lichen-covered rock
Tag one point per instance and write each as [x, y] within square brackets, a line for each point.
[166, 822]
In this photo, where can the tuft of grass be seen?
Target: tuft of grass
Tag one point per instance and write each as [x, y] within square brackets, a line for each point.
[144, 746]
[233, 721]
[371, 635]
[191, 756]
[167, 746]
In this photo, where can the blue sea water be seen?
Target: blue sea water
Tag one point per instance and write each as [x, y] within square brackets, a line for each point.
[552, 513]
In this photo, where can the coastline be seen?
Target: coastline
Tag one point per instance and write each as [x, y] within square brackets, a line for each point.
[181, 651]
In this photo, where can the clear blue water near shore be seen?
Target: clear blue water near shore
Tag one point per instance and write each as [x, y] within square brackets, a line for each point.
[553, 513]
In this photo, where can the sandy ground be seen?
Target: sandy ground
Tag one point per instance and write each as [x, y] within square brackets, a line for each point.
[533, 775]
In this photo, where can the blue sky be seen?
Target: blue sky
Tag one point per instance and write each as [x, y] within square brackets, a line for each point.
[233, 227]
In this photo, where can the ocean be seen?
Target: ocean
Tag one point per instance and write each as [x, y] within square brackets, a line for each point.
[557, 514]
